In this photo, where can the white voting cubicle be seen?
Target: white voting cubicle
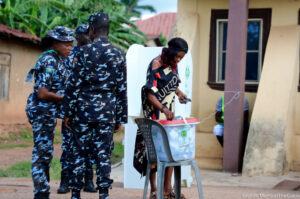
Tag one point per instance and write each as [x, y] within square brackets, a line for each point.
[138, 59]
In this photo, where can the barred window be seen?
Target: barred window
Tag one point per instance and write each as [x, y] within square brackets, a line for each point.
[259, 23]
[4, 75]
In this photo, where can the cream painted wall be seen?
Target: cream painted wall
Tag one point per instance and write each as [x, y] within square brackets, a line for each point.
[23, 57]
[284, 12]
[269, 148]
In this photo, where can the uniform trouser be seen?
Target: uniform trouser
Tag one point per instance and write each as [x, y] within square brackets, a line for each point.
[67, 147]
[43, 134]
[94, 138]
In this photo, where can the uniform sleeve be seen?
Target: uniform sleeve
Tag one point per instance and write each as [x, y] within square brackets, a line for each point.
[46, 67]
[121, 94]
[219, 105]
[73, 87]
[246, 105]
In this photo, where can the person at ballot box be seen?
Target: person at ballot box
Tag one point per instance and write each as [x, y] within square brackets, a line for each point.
[158, 97]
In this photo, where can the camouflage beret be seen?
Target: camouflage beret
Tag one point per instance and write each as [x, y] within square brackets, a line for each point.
[61, 33]
[98, 18]
[81, 29]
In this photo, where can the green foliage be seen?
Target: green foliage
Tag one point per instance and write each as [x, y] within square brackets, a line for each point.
[163, 39]
[37, 16]
[133, 8]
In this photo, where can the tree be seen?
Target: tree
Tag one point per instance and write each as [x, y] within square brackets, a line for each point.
[133, 8]
[38, 16]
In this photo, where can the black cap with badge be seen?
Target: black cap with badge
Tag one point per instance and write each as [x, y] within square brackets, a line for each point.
[81, 29]
[61, 33]
[99, 19]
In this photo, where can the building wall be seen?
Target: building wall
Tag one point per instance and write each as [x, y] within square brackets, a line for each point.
[284, 12]
[23, 57]
[271, 134]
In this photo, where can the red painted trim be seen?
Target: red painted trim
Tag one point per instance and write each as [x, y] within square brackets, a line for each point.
[173, 122]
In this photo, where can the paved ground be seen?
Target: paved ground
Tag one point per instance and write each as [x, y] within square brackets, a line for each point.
[216, 185]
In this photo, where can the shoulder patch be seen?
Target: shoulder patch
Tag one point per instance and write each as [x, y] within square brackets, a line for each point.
[49, 69]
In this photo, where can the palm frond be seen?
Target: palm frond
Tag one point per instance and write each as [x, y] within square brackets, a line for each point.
[117, 41]
[146, 7]
[37, 20]
[55, 22]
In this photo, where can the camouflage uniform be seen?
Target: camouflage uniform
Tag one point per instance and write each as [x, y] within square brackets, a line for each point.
[49, 72]
[72, 53]
[67, 135]
[79, 30]
[66, 143]
[98, 90]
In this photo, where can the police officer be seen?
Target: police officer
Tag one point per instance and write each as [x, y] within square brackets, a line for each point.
[50, 75]
[219, 117]
[98, 92]
[82, 37]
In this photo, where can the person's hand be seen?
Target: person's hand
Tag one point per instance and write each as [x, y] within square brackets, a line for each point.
[67, 122]
[169, 114]
[182, 98]
[117, 127]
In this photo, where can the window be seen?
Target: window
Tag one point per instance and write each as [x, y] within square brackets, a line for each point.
[4, 75]
[258, 31]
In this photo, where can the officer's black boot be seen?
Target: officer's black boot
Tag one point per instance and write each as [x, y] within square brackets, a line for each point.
[75, 194]
[41, 196]
[103, 193]
[88, 181]
[48, 174]
[64, 183]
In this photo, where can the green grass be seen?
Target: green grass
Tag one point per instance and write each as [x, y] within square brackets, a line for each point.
[26, 139]
[14, 145]
[24, 135]
[19, 170]
[118, 134]
[22, 139]
[22, 169]
[57, 137]
[27, 135]
[55, 169]
[118, 153]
